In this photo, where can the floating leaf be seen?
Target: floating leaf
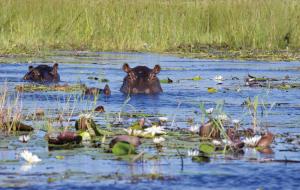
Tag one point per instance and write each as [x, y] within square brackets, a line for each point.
[211, 90]
[136, 126]
[197, 78]
[123, 148]
[200, 159]
[166, 81]
[207, 148]
[59, 157]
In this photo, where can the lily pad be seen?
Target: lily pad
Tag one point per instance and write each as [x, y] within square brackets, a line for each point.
[200, 159]
[123, 148]
[207, 148]
[196, 78]
[211, 90]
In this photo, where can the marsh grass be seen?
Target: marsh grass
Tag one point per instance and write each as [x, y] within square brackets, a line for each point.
[10, 110]
[146, 25]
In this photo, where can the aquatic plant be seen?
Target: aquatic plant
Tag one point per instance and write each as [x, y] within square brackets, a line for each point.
[29, 157]
[158, 140]
[11, 112]
[155, 130]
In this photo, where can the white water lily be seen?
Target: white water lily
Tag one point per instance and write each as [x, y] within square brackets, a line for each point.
[216, 142]
[209, 110]
[158, 140]
[222, 117]
[163, 119]
[219, 78]
[235, 121]
[24, 138]
[252, 141]
[192, 153]
[29, 157]
[194, 128]
[134, 132]
[155, 130]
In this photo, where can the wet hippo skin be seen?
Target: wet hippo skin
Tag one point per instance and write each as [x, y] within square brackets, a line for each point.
[141, 80]
[43, 74]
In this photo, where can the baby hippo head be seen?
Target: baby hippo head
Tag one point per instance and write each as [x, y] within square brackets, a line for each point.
[141, 80]
[42, 73]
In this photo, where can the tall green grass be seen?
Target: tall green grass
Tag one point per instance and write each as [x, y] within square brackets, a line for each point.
[148, 25]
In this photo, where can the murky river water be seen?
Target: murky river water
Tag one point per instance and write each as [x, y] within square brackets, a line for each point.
[88, 168]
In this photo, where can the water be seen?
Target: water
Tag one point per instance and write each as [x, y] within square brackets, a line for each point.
[91, 168]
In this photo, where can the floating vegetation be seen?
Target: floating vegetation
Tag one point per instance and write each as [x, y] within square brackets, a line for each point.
[211, 90]
[122, 148]
[197, 78]
[166, 81]
[40, 87]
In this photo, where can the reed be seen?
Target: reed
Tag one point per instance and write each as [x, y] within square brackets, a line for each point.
[147, 25]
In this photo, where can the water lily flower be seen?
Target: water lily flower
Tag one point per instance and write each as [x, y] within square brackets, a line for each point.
[219, 78]
[192, 153]
[29, 157]
[158, 140]
[216, 142]
[163, 119]
[24, 138]
[209, 110]
[155, 130]
[222, 117]
[194, 128]
[134, 132]
[252, 141]
[235, 121]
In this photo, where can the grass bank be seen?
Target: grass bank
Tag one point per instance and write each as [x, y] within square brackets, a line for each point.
[189, 26]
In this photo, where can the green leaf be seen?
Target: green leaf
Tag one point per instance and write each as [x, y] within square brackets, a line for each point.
[207, 148]
[197, 78]
[59, 157]
[123, 148]
[200, 159]
[211, 90]
[136, 126]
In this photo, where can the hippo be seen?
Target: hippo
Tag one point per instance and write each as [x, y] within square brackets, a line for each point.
[42, 73]
[141, 80]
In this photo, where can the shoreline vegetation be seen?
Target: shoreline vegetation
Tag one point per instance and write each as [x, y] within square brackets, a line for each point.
[226, 29]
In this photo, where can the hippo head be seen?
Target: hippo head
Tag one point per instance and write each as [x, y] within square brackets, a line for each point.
[42, 73]
[141, 79]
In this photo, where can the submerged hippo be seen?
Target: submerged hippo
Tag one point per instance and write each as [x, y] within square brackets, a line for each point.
[141, 79]
[42, 73]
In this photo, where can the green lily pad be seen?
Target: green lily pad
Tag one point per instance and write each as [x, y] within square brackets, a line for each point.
[197, 78]
[207, 148]
[211, 90]
[123, 148]
[136, 126]
[200, 159]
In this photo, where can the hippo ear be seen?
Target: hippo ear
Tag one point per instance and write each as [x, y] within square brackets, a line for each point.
[54, 69]
[126, 68]
[30, 68]
[156, 69]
